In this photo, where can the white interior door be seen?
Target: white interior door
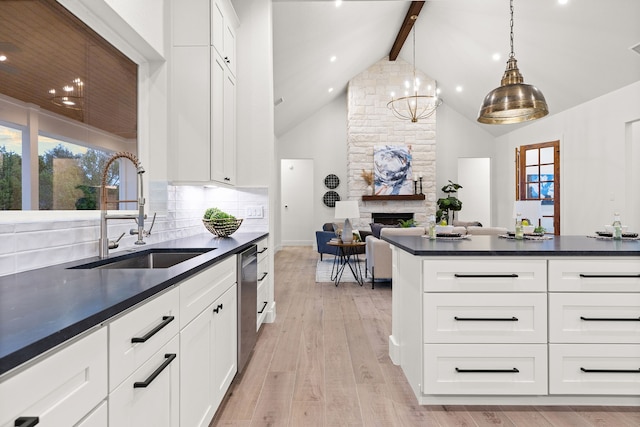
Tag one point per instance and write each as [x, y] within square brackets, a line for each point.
[296, 191]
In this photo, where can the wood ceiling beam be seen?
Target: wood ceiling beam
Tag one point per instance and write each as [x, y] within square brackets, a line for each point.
[405, 29]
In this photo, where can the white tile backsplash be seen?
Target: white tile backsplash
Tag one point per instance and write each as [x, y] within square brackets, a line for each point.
[29, 243]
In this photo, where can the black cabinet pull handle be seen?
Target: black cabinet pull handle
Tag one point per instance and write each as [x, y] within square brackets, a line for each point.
[26, 421]
[617, 371]
[610, 319]
[169, 358]
[484, 276]
[490, 319]
[263, 276]
[165, 321]
[264, 250]
[218, 308]
[513, 370]
[610, 276]
[226, 59]
[226, 178]
[264, 305]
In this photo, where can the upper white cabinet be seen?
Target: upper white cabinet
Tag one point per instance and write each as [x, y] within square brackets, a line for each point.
[202, 110]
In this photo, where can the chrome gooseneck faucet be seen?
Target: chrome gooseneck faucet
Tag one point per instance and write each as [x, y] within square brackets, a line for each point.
[105, 243]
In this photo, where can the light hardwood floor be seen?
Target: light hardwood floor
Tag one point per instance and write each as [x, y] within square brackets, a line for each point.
[325, 362]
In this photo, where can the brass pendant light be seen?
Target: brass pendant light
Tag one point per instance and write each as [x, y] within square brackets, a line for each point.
[513, 101]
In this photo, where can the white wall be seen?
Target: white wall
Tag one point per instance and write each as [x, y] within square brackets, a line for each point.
[323, 138]
[593, 171]
[457, 137]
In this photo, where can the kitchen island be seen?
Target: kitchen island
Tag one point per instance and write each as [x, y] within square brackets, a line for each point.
[488, 320]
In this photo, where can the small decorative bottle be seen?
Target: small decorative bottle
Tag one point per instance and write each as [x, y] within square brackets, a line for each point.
[617, 227]
[432, 227]
[519, 229]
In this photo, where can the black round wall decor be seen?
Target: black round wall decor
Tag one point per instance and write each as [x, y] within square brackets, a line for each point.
[330, 198]
[331, 181]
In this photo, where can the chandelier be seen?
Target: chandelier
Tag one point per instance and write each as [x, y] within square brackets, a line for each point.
[413, 106]
[71, 96]
[513, 101]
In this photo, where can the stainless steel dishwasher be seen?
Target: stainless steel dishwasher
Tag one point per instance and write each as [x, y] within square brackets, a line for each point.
[247, 304]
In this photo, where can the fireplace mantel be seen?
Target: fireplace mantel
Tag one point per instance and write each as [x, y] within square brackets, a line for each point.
[393, 197]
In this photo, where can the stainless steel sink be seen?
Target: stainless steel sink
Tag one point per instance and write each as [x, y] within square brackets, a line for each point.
[149, 259]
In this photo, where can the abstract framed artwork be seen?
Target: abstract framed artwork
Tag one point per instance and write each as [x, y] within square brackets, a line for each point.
[392, 170]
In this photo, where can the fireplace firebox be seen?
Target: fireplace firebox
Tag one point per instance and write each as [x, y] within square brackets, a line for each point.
[391, 218]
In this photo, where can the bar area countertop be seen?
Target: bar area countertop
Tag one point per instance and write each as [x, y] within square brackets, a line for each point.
[494, 245]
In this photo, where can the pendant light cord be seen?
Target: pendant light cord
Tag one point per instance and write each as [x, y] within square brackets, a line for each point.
[512, 54]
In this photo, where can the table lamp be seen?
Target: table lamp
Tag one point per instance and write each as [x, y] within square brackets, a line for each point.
[347, 209]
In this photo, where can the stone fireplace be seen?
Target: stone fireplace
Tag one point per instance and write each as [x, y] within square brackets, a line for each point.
[371, 123]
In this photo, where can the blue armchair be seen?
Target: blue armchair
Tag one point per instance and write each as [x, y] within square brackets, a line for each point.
[323, 237]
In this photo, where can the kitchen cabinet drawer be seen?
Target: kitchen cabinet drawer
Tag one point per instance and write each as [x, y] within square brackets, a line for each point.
[198, 292]
[594, 318]
[262, 302]
[485, 369]
[262, 249]
[595, 275]
[62, 388]
[485, 275]
[594, 369]
[137, 335]
[485, 318]
[99, 417]
[134, 404]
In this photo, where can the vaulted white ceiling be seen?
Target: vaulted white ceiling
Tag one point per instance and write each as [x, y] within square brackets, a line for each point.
[572, 53]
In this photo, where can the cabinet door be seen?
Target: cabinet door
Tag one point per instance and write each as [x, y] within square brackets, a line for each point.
[217, 26]
[99, 417]
[217, 117]
[230, 128]
[225, 363]
[223, 122]
[189, 114]
[60, 389]
[156, 404]
[197, 393]
[230, 47]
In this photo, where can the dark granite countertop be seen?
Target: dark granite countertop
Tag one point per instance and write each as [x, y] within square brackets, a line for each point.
[493, 245]
[43, 308]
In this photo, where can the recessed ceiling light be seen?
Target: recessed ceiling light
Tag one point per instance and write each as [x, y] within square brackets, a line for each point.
[458, 88]
[3, 58]
[338, 3]
[333, 58]
[330, 89]
[496, 57]
[563, 1]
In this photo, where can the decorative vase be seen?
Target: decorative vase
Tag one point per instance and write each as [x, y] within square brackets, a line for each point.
[369, 190]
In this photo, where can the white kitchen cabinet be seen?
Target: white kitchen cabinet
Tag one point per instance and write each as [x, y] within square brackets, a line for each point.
[223, 122]
[594, 326]
[224, 23]
[62, 388]
[190, 114]
[149, 396]
[202, 110]
[505, 330]
[264, 282]
[138, 334]
[208, 364]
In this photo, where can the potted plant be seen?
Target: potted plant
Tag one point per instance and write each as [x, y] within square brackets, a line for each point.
[448, 204]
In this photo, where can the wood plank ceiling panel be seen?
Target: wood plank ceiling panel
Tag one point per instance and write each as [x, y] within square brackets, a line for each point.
[47, 47]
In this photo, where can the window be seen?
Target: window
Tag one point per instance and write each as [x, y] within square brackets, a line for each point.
[10, 169]
[70, 175]
[538, 178]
